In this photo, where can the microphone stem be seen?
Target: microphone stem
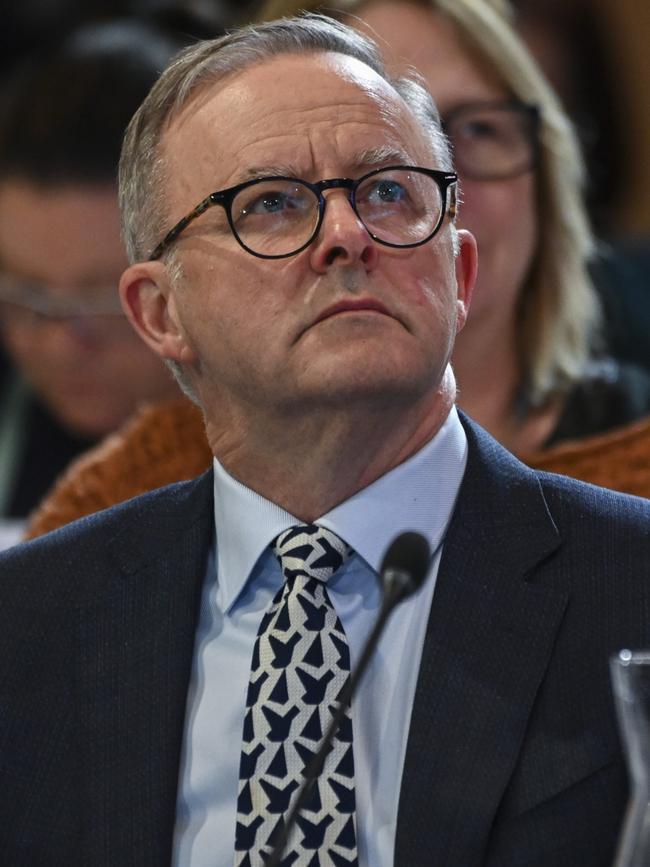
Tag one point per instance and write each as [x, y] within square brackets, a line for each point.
[392, 595]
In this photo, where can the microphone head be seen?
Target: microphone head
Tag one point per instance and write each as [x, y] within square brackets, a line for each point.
[407, 562]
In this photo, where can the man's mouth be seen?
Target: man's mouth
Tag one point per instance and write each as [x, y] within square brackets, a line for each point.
[352, 305]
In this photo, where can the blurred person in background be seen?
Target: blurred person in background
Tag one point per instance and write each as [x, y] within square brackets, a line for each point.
[77, 371]
[529, 363]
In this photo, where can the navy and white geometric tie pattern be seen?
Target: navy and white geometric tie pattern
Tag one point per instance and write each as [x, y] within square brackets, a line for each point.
[301, 661]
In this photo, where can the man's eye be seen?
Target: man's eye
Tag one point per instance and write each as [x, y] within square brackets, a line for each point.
[269, 203]
[291, 204]
[387, 192]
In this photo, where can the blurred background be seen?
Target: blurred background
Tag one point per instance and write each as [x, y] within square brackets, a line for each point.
[595, 54]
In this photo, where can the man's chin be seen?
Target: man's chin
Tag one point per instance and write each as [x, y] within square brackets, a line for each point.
[366, 385]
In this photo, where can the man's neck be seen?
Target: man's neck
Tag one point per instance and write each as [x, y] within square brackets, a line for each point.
[307, 466]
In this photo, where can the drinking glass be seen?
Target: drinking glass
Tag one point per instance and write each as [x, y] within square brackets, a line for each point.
[630, 673]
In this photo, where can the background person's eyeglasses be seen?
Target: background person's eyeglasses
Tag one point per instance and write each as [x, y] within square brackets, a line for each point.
[276, 217]
[30, 306]
[493, 140]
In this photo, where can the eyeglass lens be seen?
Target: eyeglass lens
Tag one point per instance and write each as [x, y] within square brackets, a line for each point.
[492, 142]
[278, 216]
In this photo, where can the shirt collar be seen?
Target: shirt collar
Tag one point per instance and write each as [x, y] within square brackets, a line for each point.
[417, 495]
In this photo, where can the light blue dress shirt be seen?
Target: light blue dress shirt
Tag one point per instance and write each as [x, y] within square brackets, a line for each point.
[242, 577]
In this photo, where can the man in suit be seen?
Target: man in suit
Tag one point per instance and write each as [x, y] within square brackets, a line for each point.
[168, 666]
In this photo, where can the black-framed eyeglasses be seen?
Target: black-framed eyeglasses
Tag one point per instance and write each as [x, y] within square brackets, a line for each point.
[276, 217]
[494, 139]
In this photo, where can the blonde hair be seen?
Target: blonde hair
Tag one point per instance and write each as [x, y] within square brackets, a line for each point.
[559, 314]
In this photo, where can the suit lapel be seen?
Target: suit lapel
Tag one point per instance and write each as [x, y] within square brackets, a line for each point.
[489, 639]
[134, 663]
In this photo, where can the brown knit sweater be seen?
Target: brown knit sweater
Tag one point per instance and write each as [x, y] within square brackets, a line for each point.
[166, 443]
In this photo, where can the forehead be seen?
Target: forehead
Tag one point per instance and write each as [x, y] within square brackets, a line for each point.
[308, 113]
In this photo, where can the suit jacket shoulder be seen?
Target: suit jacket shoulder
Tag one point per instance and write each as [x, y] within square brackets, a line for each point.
[513, 754]
[97, 624]
[131, 533]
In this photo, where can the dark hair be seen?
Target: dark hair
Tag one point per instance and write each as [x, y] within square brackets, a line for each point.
[63, 113]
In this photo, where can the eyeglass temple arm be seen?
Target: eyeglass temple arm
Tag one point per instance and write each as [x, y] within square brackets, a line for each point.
[170, 237]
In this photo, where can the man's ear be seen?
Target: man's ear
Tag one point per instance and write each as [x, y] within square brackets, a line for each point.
[466, 270]
[149, 303]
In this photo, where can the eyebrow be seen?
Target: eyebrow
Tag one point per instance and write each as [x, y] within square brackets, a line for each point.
[365, 159]
[384, 154]
[271, 171]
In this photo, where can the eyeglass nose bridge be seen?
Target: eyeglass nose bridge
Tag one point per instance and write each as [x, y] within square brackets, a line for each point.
[336, 184]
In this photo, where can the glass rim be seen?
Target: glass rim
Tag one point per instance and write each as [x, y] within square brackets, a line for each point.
[528, 161]
[443, 179]
[626, 657]
[513, 105]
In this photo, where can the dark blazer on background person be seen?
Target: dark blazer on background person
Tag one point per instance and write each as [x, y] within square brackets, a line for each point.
[513, 755]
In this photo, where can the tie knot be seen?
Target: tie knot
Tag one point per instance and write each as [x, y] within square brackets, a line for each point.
[310, 550]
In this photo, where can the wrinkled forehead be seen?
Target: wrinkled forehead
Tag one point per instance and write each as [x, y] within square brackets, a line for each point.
[295, 110]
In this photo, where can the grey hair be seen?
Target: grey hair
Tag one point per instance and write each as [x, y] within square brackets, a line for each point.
[180, 375]
[176, 276]
[142, 165]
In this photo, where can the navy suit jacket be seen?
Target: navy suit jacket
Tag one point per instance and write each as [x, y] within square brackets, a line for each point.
[513, 754]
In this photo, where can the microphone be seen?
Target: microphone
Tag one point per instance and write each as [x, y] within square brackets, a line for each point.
[404, 566]
[402, 572]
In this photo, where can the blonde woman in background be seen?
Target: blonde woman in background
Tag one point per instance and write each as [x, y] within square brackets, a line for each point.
[526, 363]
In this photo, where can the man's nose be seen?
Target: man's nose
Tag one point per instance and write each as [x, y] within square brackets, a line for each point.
[342, 239]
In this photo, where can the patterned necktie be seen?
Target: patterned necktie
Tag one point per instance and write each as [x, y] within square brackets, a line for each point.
[301, 661]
